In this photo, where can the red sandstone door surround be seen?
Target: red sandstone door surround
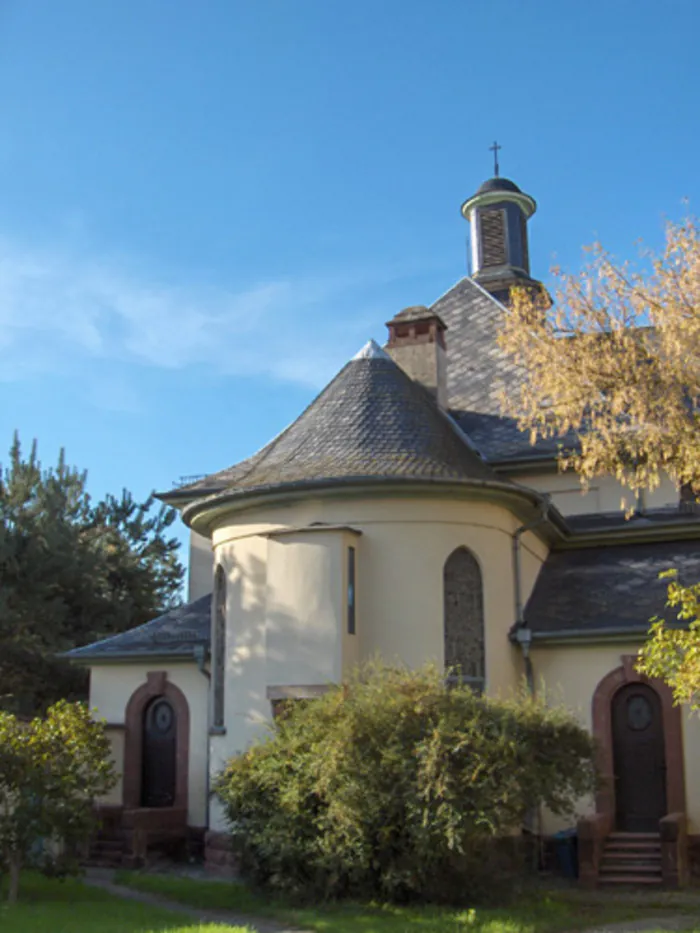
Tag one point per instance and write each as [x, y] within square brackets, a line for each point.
[640, 748]
[143, 706]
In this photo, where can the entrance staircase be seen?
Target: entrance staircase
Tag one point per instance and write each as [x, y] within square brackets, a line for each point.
[107, 849]
[631, 858]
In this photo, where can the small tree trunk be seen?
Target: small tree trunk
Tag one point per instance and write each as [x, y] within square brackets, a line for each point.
[15, 866]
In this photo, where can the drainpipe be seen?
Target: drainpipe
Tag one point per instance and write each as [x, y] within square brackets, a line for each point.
[200, 656]
[521, 632]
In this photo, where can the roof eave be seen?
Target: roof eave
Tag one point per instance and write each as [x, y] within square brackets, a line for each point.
[549, 461]
[179, 498]
[629, 534]
[203, 514]
[129, 657]
[609, 633]
[612, 634]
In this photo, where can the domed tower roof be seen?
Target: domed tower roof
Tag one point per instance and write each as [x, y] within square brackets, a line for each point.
[498, 184]
[496, 190]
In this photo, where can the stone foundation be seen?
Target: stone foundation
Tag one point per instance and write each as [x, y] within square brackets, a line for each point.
[694, 856]
[219, 857]
[133, 838]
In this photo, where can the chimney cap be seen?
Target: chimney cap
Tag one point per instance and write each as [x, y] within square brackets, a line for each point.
[417, 313]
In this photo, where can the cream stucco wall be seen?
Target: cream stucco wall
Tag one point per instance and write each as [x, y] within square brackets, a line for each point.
[111, 687]
[200, 579]
[286, 595]
[304, 608]
[569, 675]
[605, 494]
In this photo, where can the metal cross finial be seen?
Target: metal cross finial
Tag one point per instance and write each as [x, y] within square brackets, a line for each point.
[495, 149]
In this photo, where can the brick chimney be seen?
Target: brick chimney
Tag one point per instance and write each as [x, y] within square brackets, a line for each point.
[417, 344]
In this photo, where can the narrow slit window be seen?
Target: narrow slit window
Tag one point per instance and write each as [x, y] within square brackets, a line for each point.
[351, 591]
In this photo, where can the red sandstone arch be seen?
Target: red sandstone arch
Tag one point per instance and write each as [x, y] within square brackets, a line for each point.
[602, 730]
[156, 685]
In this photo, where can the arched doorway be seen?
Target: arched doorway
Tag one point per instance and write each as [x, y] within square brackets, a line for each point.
[141, 716]
[159, 754]
[640, 749]
[639, 759]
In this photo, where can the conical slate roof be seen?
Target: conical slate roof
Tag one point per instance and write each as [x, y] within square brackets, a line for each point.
[371, 421]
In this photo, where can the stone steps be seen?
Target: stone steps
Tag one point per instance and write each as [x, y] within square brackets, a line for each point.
[630, 879]
[631, 859]
[106, 852]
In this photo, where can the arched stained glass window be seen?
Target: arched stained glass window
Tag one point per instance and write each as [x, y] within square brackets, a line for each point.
[464, 617]
[218, 643]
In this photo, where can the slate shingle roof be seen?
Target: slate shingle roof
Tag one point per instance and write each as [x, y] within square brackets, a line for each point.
[177, 634]
[616, 587]
[371, 421]
[477, 372]
[476, 368]
[499, 439]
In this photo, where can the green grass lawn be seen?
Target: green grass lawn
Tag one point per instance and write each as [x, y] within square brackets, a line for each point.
[545, 913]
[70, 907]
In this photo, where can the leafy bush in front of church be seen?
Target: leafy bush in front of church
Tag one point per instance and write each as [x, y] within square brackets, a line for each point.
[51, 770]
[399, 787]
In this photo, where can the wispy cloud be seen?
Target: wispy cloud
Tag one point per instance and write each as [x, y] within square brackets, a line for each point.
[57, 310]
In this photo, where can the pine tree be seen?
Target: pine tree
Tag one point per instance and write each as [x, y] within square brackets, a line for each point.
[71, 572]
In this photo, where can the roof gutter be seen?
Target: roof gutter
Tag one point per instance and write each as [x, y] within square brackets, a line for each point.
[201, 514]
[129, 657]
[595, 636]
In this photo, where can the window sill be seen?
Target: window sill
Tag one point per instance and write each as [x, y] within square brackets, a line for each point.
[217, 730]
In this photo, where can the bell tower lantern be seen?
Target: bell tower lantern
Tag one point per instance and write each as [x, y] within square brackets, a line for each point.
[497, 215]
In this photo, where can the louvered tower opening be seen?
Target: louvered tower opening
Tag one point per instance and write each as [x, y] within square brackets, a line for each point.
[493, 237]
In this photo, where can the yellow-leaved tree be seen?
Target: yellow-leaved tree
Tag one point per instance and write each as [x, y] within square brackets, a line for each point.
[612, 367]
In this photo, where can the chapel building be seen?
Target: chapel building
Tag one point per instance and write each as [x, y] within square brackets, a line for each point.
[402, 515]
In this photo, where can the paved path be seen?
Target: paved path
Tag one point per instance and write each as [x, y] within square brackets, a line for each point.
[100, 878]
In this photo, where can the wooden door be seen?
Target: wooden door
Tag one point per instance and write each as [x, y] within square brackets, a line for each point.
[159, 754]
[640, 760]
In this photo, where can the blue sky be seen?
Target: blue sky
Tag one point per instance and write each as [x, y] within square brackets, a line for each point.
[207, 207]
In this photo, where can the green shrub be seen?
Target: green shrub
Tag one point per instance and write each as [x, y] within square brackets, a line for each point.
[51, 769]
[396, 786]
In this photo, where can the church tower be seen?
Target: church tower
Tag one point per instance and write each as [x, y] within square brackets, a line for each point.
[497, 215]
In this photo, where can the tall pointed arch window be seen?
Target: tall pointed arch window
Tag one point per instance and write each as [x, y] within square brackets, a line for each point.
[218, 648]
[464, 618]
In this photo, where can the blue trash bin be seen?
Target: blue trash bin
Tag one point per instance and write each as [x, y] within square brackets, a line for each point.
[566, 848]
